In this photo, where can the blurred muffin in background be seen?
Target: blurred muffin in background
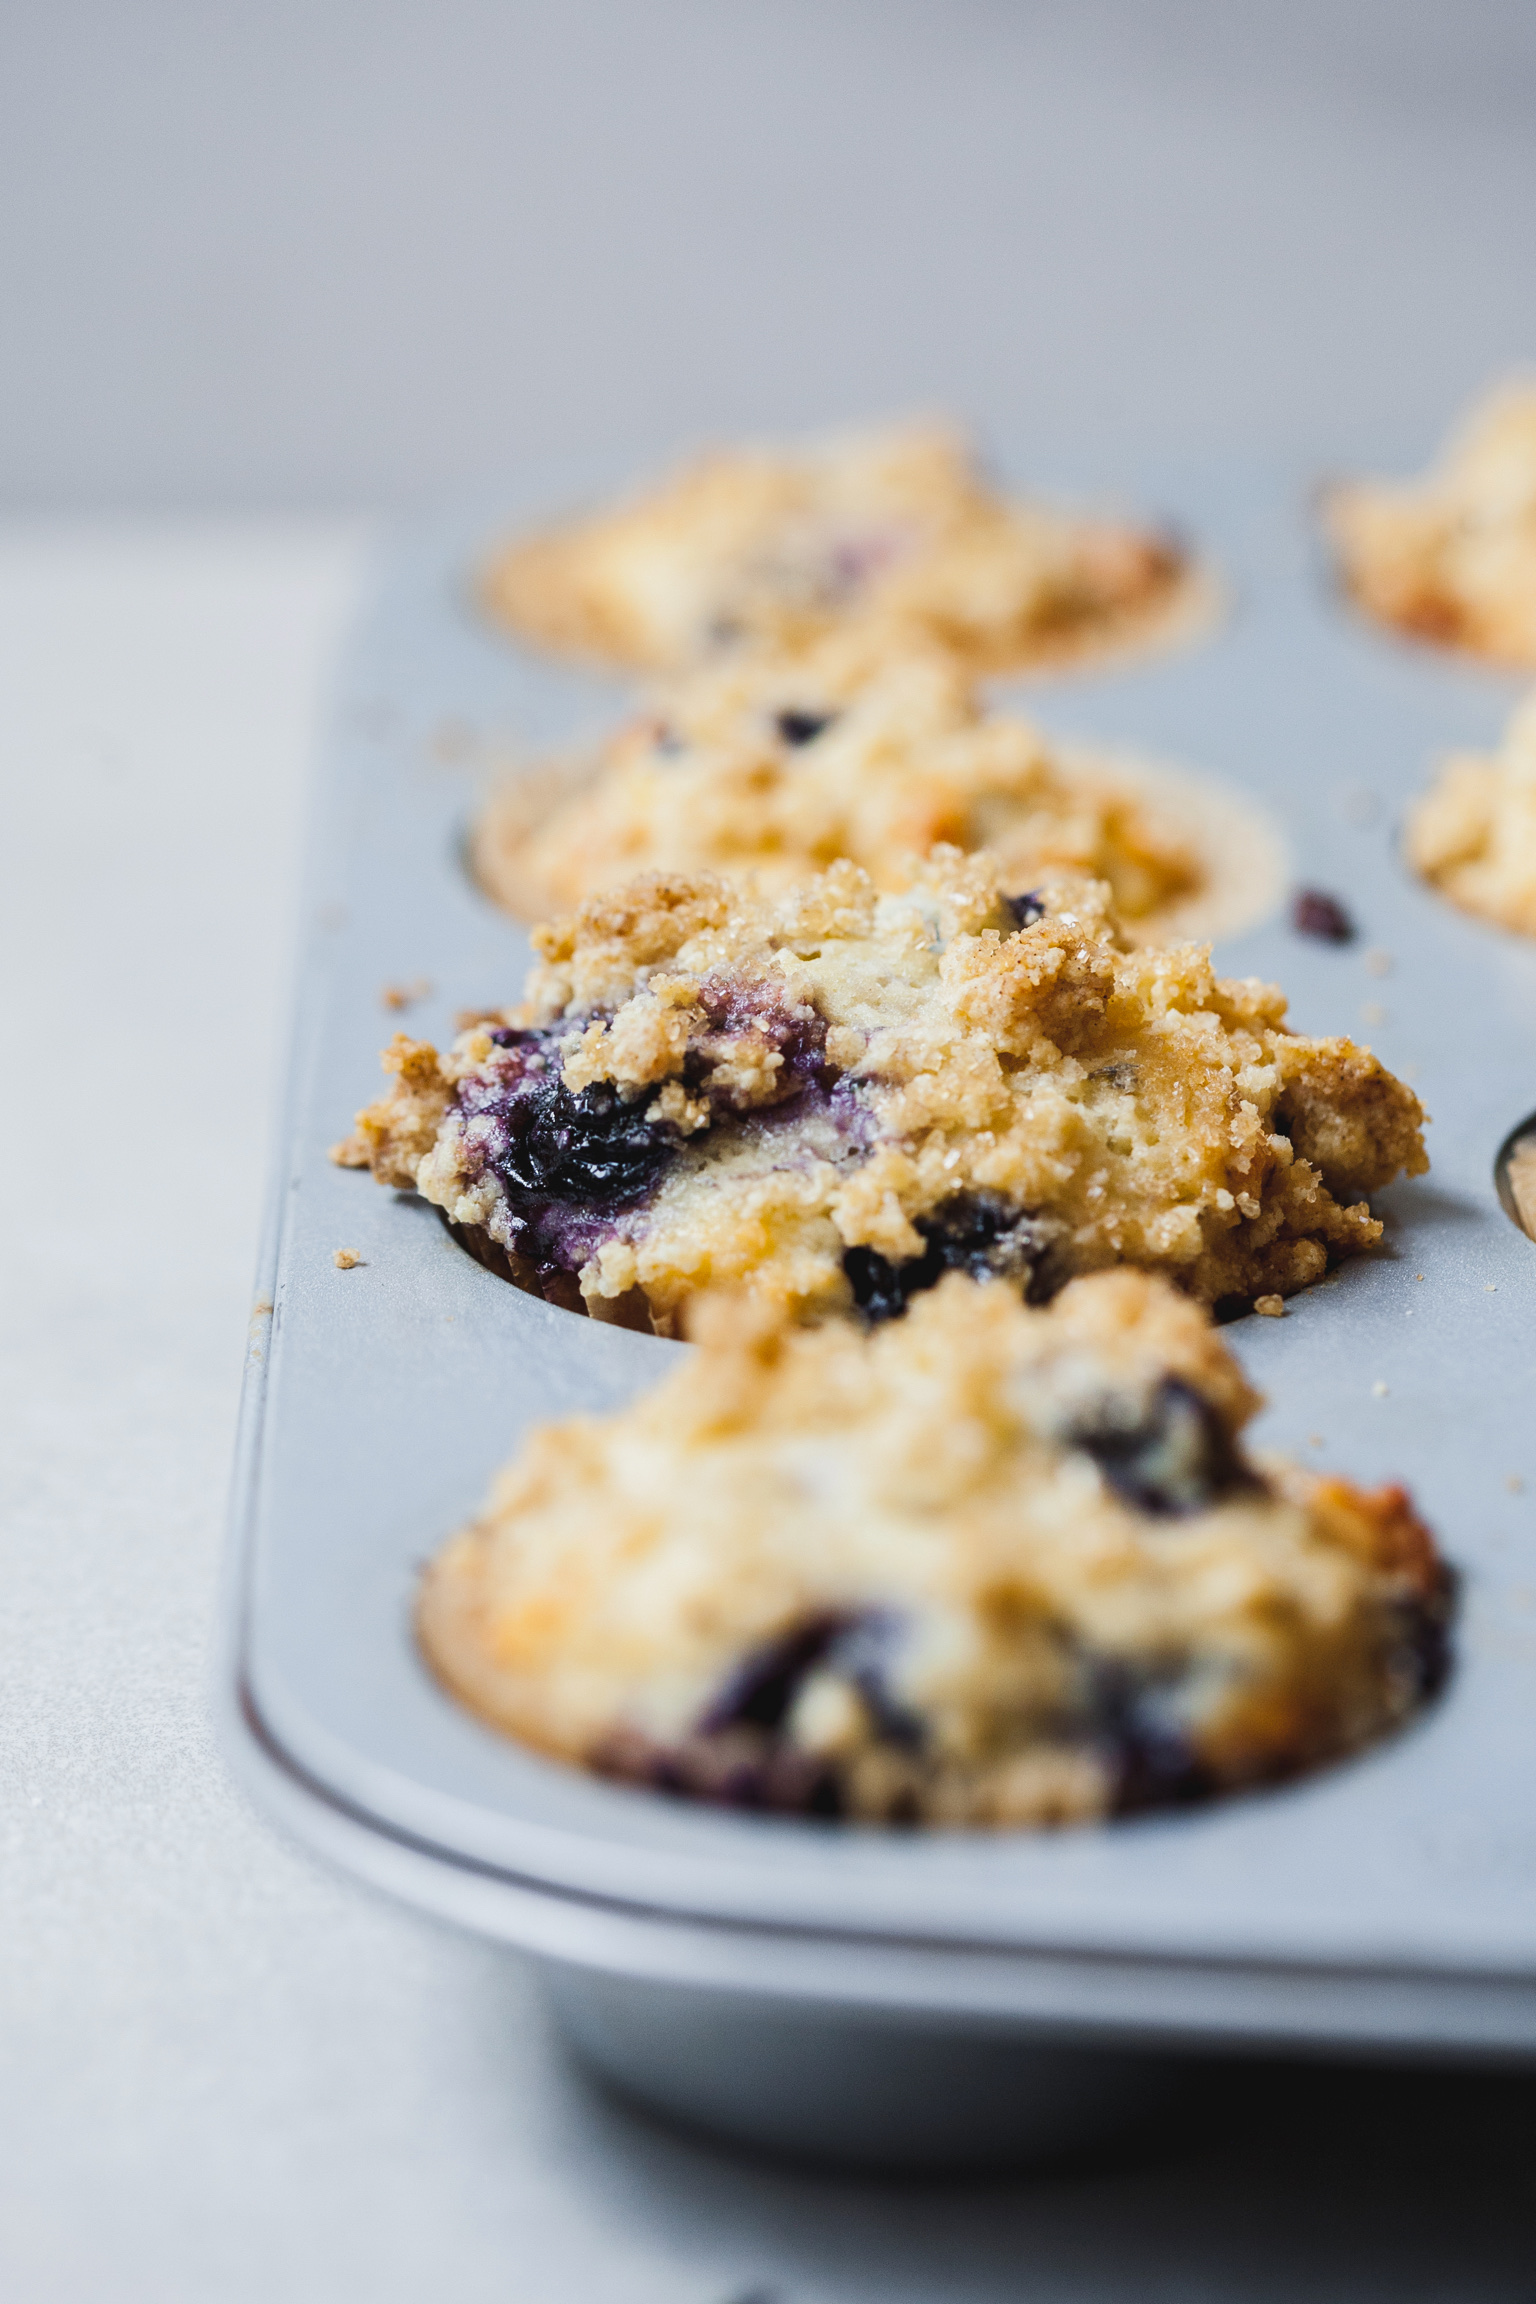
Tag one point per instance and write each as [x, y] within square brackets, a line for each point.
[1451, 558]
[894, 532]
[1473, 835]
[768, 768]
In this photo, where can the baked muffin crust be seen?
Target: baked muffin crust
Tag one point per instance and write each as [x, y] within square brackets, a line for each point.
[831, 1098]
[894, 532]
[768, 768]
[1473, 835]
[1451, 558]
[993, 1566]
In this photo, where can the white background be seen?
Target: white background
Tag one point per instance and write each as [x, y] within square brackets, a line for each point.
[329, 259]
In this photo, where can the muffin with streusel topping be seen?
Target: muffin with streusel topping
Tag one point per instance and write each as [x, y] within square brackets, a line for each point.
[1451, 558]
[894, 533]
[833, 1097]
[995, 1566]
[769, 767]
[1473, 834]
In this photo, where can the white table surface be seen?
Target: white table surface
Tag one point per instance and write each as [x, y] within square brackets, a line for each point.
[223, 2073]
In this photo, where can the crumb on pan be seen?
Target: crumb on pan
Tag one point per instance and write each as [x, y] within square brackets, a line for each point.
[345, 1259]
[398, 996]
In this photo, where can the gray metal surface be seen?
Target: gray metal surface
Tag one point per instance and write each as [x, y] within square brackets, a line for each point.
[386, 1395]
[836, 2086]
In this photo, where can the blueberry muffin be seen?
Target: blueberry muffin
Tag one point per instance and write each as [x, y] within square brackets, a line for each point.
[1451, 558]
[833, 1097]
[768, 768]
[1473, 835]
[895, 531]
[994, 1566]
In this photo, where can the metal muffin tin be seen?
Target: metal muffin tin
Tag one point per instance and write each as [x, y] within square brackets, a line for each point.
[841, 1990]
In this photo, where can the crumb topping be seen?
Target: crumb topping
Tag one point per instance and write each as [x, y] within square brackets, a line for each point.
[894, 533]
[769, 768]
[1473, 835]
[704, 1087]
[1451, 558]
[993, 1566]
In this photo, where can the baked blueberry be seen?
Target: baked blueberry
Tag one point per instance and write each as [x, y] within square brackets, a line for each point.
[1166, 1452]
[971, 1233]
[800, 727]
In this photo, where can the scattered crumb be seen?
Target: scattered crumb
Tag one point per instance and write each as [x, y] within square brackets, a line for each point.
[1418, 1275]
[1272, 1307]
[1408, 1072]
[1515, 1484]
[1315, 913]
[1379, 963]
[1315, 1440]
[345, 1258]
[1373, 1013]
[399, 996]
[1379, 1389]
[1490, 1288]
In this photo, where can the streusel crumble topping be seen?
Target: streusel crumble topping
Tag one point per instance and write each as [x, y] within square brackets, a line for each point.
[832, 1097]
[994, 1566]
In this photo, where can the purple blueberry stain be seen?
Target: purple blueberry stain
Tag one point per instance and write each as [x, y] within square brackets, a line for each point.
[567, 1162]
[798, 1033]
[572, 1165]
[1025, 909]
